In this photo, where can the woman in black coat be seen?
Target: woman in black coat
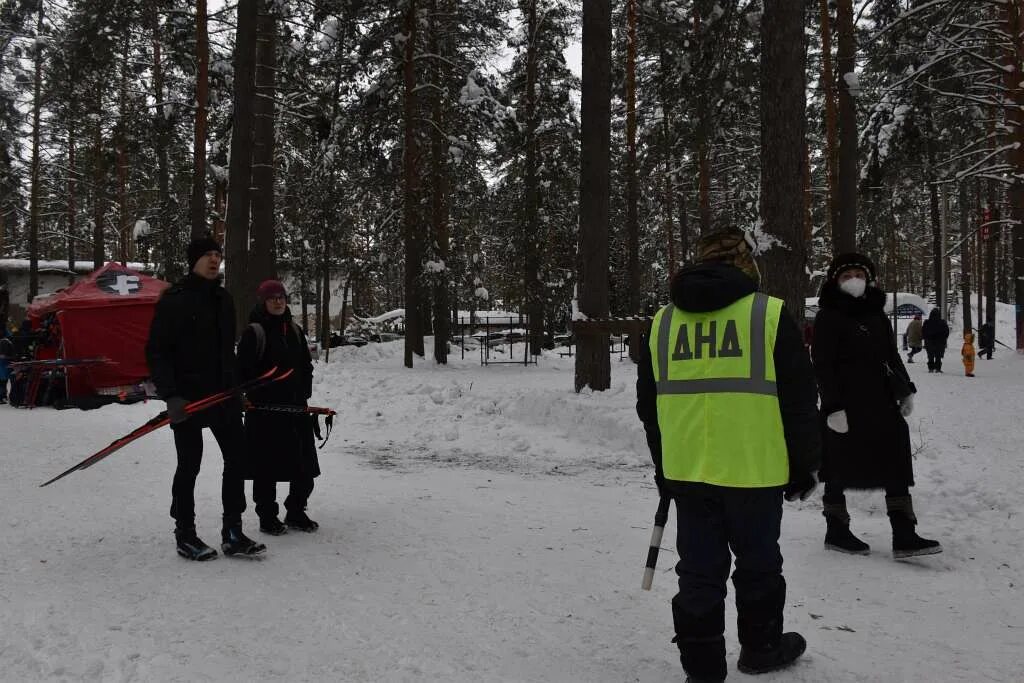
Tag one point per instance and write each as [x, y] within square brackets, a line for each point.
[280, 444]
[935, 333]
[866, 394]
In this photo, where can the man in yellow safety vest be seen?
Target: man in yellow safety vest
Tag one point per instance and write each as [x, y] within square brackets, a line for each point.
[727, 396]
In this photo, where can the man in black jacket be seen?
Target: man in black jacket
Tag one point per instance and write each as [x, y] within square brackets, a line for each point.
[936, 333]
[191, 355]
[729, 497]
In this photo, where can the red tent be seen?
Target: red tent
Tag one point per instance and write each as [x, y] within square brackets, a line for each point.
[105, 315]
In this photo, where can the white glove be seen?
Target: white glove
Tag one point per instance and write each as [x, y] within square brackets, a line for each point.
[837, 422]
[907, 406]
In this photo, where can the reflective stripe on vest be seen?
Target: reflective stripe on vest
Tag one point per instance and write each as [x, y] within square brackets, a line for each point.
[756, 383]
[718, 409]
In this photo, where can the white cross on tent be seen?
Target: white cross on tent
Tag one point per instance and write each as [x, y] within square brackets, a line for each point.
[125, 284]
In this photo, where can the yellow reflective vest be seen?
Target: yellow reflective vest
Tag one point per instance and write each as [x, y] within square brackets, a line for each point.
[718, 410]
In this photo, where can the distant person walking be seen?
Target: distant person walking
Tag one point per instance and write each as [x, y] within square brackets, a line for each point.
[914, 338]
[967, 353]
[986, 340]
[866, 396]
[935, 332]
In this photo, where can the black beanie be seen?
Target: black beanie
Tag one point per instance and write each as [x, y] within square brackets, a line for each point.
[198, 247]
[851, 260]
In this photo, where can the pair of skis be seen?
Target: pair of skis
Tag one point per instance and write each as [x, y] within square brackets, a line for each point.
[162, 419]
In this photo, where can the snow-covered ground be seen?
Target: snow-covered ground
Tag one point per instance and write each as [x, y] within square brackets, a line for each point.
[488, 524]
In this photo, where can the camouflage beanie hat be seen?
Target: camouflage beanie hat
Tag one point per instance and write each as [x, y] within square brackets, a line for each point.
[732, 246]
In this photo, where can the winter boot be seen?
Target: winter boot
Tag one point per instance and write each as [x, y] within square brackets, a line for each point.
[905, 541]
[234, 542]
[837, 533]
[301, 521]
[272, 526]
[701, 642]
[191, 547]
[766, 658]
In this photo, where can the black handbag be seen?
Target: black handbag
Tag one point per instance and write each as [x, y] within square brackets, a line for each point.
[898, 384]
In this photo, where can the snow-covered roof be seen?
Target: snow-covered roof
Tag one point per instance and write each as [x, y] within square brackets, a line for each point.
[20, 264]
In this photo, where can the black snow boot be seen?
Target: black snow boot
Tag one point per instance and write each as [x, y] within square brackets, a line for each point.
[837, 532]
[234, 542]
[301, 521]
[272, 526]
[905, 541]
[191, 547]
[701, 643]
[768, 658]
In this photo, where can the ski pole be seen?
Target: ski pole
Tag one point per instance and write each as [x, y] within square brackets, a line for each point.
[660, 518]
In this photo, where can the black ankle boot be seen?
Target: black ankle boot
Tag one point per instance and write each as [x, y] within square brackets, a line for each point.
[905, 541]
[191, 547]
[837, 532]
[234, 542]
[763, 660]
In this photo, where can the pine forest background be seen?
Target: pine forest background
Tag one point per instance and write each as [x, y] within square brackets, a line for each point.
[443, 156]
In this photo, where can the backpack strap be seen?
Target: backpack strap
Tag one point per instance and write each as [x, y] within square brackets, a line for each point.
[261, 339]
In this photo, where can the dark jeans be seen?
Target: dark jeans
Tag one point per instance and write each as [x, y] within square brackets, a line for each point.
[712, 520]
[914, 350]
[226, 426]
[264, 494]
[935, 354]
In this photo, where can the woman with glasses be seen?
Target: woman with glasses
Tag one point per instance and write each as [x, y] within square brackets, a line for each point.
[280, 444]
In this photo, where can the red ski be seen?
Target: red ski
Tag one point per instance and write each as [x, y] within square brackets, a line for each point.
[162, 419]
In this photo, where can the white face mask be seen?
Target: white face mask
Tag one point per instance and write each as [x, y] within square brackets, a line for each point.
[854, 287]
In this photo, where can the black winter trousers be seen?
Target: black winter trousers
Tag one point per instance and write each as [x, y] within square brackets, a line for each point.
[712, 520]
[226, 426]
[264, 494]
[935, 354]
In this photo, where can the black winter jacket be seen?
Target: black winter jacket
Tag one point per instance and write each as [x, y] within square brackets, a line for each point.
[709, 287]
[853, 345]
[191, 346]
[280, 446]
[935, 331]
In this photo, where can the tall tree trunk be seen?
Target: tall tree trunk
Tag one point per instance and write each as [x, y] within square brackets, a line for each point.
[990, 264]
[845, 230]
[669, 179]
[531, 231]
[933, 208]
[198, 202]
[702, 143]
[123, 226]
[593, 368]
[632, 191]
[323, 321]
[262, 261]
[236, 236]
[165, 226]
[98, 180]
[828, 86]
[965, 257]
[33, 229]
[72, 197]
[783, 144]
[439, 186]
[410, 154]
[1013, 11]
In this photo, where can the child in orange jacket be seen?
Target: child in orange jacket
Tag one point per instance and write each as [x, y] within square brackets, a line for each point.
[967, 353]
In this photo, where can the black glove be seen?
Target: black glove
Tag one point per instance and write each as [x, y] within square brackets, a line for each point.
[176, 409]
[801, 488]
